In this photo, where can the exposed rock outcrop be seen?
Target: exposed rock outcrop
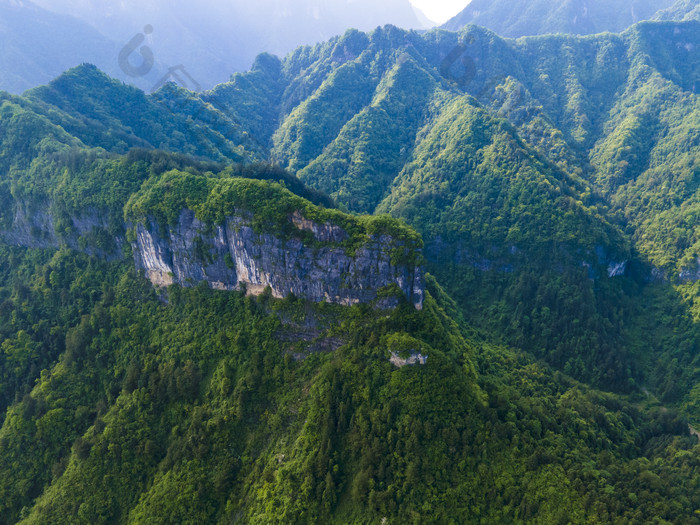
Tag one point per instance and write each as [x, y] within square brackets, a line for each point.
[617, 269]
[690, 274]
[36, 228]
[33, 230]
[414, 358]
[233, 255]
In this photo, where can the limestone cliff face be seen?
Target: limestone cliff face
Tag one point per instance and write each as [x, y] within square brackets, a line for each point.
[36, 228]
[233, 255]
[31, 229]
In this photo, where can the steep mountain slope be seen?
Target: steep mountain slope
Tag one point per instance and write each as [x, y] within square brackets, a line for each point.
[509, 191]
[530, 167]
[539, 17]
[202, 341]
[37, 45]
[204, 403]
[643, 130]
[117, 398]
[523, 195]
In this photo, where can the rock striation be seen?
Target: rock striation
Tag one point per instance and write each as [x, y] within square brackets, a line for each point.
[233, 256]
[316, 264]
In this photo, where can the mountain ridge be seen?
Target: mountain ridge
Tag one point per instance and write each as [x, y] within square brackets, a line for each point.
[549, 376]
[512, 178]
[523, 18]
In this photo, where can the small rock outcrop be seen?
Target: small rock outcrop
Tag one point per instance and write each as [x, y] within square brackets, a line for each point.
[690, 274]
[617, 269]
[33, 230]
[414, 358]
[36, 228]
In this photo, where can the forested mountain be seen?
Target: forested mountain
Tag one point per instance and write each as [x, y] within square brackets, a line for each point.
[531, 168]
[158, 366]
[123, 403]
[538, 17]
[106, 113]
[528, 167]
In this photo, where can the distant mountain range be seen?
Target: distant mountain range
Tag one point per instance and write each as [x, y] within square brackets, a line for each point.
[37, 45]
[210, 39]
[516, 18]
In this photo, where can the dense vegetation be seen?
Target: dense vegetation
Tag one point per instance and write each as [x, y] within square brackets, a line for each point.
[269, 204]
[555, 183]
[680, 10]
[121, 408]
[553, 178]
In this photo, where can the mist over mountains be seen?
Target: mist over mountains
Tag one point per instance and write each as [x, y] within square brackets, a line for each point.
[37, 45]
[516, 18]
[211, 39]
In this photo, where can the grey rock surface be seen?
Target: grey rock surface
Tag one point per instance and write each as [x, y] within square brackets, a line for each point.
[234, 256]
[690, 274]
[36, 228]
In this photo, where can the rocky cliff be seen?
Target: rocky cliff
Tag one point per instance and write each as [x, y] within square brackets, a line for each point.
[35, 227]
[316, 263]
[233, 255]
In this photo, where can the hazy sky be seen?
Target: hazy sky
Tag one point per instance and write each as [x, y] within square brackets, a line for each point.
[440, 10]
